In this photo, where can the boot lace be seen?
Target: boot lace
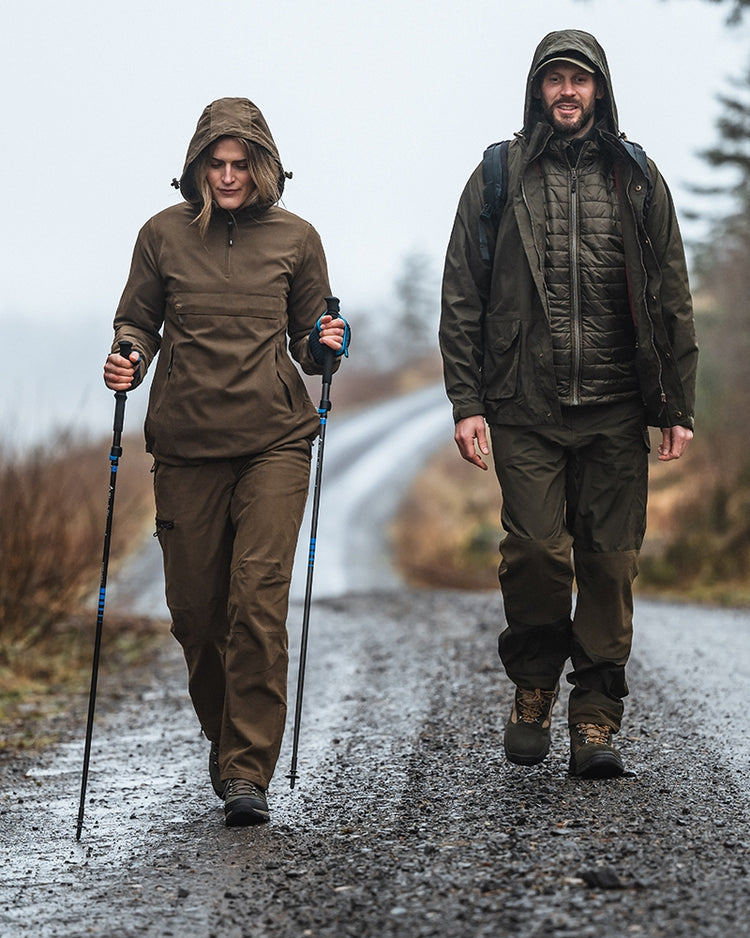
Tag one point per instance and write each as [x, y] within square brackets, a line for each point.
[533, 706]
[594, 733]
[237, 787]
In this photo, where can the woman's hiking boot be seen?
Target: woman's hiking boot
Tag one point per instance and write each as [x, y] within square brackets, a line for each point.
[591, 753]
[244, 803]
[527, 732]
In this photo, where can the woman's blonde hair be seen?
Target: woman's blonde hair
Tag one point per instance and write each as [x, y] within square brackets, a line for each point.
[264, 170]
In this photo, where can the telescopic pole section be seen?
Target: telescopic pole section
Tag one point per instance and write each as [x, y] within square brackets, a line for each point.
[332, 309]
[114, 455]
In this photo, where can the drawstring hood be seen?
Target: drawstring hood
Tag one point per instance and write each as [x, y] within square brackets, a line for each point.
[227, 117]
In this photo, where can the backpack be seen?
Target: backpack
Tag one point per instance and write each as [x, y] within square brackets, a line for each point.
[495, 179]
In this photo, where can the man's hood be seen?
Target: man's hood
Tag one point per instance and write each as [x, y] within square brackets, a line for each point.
[578, 43]
[226, 117]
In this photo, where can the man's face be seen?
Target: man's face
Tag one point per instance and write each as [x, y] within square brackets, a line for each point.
[569, 96]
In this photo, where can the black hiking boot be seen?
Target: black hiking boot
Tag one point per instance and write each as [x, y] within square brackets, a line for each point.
[244, 803]
[527, 732]
[213, 770]
[591, 753]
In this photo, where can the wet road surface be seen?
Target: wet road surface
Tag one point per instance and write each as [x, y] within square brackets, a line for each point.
[406, 820]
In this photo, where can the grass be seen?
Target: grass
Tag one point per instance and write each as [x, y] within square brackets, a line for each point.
[447, 531]
[51, 542]
[697, 545]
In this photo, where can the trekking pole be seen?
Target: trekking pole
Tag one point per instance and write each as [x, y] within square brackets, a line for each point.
[332, 309]
[120, 396]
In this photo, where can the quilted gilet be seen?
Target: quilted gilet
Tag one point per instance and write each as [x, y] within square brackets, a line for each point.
[593, 336]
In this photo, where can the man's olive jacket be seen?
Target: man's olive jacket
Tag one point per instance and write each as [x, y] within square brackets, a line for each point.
[495, 332]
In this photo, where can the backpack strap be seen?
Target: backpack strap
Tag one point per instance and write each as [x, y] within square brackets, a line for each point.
[495, 178]
[636, 152]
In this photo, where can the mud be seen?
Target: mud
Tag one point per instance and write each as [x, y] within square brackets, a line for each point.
[406, 820]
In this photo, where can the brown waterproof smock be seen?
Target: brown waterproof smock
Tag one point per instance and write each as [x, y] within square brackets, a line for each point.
[225, 312]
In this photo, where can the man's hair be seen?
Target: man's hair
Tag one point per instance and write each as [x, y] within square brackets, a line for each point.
[264, 170]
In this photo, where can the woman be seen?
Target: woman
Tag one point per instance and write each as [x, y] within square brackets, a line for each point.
[221, 285]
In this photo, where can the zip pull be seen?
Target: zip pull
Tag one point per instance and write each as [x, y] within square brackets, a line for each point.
[230, 228]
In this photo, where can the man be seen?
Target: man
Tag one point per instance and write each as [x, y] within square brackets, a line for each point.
[574, 337]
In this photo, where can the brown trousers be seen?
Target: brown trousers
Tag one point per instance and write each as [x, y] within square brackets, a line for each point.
[228, 532]
[582, 485]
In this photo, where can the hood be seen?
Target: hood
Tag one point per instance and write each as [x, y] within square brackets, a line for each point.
[226, 117]
[580, 44]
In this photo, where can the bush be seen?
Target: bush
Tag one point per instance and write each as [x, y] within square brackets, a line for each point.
[51, 539]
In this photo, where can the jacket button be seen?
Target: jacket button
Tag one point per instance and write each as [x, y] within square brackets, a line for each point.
[638, 188]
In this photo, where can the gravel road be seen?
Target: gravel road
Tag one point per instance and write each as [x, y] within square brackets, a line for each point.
[406, 820]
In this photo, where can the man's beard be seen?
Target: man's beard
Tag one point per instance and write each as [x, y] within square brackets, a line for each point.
[569, 128]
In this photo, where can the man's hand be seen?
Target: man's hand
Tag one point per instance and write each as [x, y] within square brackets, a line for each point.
[470, 436]
[674, 442]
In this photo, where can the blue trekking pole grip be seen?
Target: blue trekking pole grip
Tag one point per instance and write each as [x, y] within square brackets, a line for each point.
[332, 310]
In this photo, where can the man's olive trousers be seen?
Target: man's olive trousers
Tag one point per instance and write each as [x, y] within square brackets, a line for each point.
[228, 532]
[574, 505]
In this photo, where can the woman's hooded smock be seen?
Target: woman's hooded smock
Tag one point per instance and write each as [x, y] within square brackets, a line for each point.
[225, 312]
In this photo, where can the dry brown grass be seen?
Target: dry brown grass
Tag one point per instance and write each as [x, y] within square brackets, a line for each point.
[448, 530]
[51, 541]
[356, 387]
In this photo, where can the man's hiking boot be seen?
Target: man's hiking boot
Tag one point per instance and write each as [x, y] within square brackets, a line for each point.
[214, 771]
[244, 803]
[591, 753]
[527, 732]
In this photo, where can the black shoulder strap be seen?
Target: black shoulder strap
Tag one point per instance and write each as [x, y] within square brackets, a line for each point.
[638, 154]
[495, 178]
[636, 151]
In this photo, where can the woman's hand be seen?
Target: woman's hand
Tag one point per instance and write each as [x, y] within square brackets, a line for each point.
[332, 332]
[119, 371]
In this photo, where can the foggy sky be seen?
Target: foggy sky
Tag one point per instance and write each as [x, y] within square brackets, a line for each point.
[381, 110]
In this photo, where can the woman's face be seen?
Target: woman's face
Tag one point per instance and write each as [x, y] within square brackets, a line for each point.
[228, 174]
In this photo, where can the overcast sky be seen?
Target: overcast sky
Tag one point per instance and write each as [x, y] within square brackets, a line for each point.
[381, 110]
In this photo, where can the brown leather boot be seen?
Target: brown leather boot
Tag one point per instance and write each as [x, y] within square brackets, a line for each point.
[591, 753]
[527, 732]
